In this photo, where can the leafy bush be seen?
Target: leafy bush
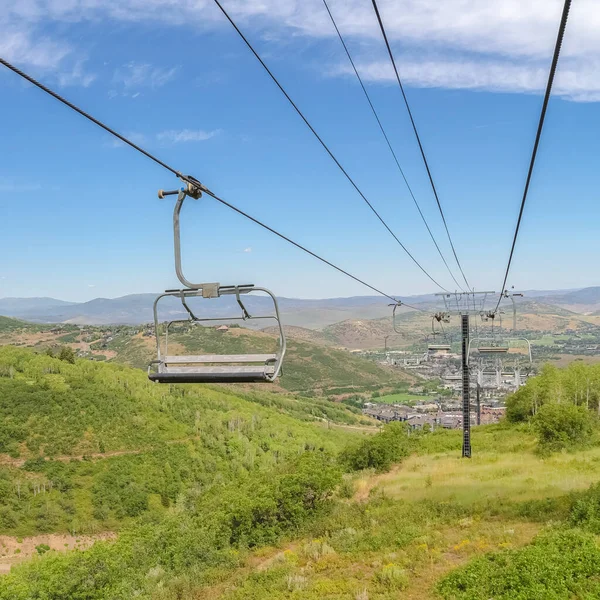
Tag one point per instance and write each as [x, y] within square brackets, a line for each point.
[392, 577]
[561, 564]
[563, 426]
[200, 534]
[585, 511]
[42, 548]
[380, 450]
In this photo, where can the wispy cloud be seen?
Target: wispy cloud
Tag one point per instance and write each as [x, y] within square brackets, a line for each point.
[248, 250]
[143, 75]
[76, 76]
[177, 136]
[23, 45]
[579, 82]
[170, 136]
[495, 46]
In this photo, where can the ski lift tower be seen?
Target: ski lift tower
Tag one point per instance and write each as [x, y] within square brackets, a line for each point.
[465, 304]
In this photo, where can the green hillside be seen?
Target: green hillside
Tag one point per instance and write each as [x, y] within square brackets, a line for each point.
[309, 368]
[117, 445]
[255, 500]
[9, 325]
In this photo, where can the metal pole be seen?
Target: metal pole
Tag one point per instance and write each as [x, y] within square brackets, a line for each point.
[466, 449]
[478, 405]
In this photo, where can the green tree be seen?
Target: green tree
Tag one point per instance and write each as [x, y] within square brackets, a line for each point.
[379, 451]
[67, 354]
[563, 426]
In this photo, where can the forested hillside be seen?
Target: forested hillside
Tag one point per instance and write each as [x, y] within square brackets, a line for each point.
[86, 445]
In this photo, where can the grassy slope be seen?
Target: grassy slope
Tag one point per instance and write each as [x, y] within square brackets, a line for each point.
[405, 530]
[131, 429]
[8, 325]
[308, 368]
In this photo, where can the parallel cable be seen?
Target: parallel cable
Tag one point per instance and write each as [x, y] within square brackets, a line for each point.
[557, 48]
[323, 144]
[414, 126]
[377, 118]
[191, 180]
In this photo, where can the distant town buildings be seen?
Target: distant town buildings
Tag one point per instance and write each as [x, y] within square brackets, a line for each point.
[433, 414]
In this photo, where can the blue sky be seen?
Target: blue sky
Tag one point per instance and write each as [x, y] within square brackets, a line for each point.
[80, 216]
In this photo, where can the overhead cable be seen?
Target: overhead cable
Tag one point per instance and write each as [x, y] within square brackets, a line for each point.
[323, 144]
[538, 135]
[389, 145]
[414, 126]
[190, 179]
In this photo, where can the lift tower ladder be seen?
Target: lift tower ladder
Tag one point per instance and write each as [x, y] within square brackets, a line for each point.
[466, 397]
[465, 304]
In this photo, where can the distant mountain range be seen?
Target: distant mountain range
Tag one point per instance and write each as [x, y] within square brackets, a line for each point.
[313, 314]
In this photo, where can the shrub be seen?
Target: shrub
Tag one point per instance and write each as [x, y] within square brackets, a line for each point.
[317, 549]
[563, 426]
[42, 548]
[585, 511]
[560, 564]
[392, 577]
[378, 451]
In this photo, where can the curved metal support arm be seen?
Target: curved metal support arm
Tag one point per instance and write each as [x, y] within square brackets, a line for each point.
[177, 242]
[394, 317]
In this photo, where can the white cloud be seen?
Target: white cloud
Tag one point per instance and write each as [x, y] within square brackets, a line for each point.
[171, 136]
[248, 250]
[21, 44]
[574, 81]
[91, 285]
[467, 44]
[176, 136]
[76, 76]
[136, 75]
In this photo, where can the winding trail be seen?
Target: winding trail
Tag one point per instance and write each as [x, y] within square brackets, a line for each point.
[9, 461]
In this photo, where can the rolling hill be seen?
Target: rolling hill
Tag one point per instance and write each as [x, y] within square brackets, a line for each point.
[310, 368]
[310, 314]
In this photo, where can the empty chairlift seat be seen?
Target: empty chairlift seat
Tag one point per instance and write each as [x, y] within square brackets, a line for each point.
[215, 368]
[492, 349]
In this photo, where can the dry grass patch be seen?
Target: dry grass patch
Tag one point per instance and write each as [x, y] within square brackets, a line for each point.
[512, 477]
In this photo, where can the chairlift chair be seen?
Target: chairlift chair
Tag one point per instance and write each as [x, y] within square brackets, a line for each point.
[495, 345]
[210, 368]
[497, 348]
